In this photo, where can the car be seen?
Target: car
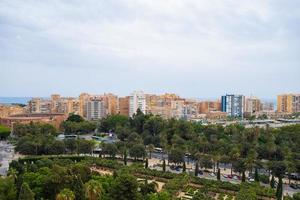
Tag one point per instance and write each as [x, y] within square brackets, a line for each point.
[235, 177]
[294, 186]
[187, 155]
[225, 175]
[251, 179]
[230, 176]
[200, 172]
[212, 174]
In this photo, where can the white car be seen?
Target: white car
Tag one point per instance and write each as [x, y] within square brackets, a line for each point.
[225, 176]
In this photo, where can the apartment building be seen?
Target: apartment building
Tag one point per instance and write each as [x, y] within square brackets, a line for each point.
[124, 106]
[38, 105]
[96, 108]
[208, 106]
[253, 105]
[137, 100]
[233, 105]
[288, 103]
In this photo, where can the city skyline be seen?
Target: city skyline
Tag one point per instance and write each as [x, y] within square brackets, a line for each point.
[196, 49]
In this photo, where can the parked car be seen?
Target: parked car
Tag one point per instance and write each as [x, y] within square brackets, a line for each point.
[177, 168]
[172, 167]
[251, 179]
[200, 172]
[295, 186]
[225, 175]
[212, 174]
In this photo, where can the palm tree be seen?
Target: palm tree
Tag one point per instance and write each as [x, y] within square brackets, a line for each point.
[13, 173]
[234, 155]
[93, 190]
[65, 194]
[150, 149]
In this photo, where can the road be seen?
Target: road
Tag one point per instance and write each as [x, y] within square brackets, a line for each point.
[7, 154]
[225, 169]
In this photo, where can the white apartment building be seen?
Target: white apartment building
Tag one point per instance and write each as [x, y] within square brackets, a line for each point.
[137, 100]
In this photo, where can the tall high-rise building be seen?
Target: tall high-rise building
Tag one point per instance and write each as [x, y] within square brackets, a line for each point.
[111, 102]
[288, 103]
[233, 105]
[253, 105]
[96, 109]
[83, 99]
[137, 100]
[124, 106]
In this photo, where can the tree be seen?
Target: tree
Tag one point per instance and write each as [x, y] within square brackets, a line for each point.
[246, 193]
[7, 189]
[176, 156]
[93, 190]
[160, 196]
[137, 151]
[75, 118]
[110, 149]
[85, 146]
[4, 132]
[124, 187]
[164, 165]
[196, 169]
[146, 163]
[243, 177]
[279, 190]
[272, 182]
[25, 192]
[296, 196]
[147, 188]
[125, 156]
[256, 175]
[78, 188]
[150, 149]
[70, 145]
[183, 167]
[219, 174]
[65, 194]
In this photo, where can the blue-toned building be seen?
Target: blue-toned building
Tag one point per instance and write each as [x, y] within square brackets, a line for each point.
[233, 105]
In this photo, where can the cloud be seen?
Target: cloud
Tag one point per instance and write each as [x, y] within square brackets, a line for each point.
[137, 37]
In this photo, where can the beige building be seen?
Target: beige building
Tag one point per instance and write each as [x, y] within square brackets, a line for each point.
[38, 105]
[253, 105]
[111, 101]
[124, 106]
[165, 105]
[83, 99]
[209, 106]
[288, 103]
[7, 110]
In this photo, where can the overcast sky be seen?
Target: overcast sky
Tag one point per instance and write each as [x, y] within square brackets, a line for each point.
[195, 48]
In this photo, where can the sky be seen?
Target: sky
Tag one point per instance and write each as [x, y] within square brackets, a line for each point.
[194, 48]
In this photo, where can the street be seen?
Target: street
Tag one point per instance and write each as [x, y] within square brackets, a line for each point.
[7, 154]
